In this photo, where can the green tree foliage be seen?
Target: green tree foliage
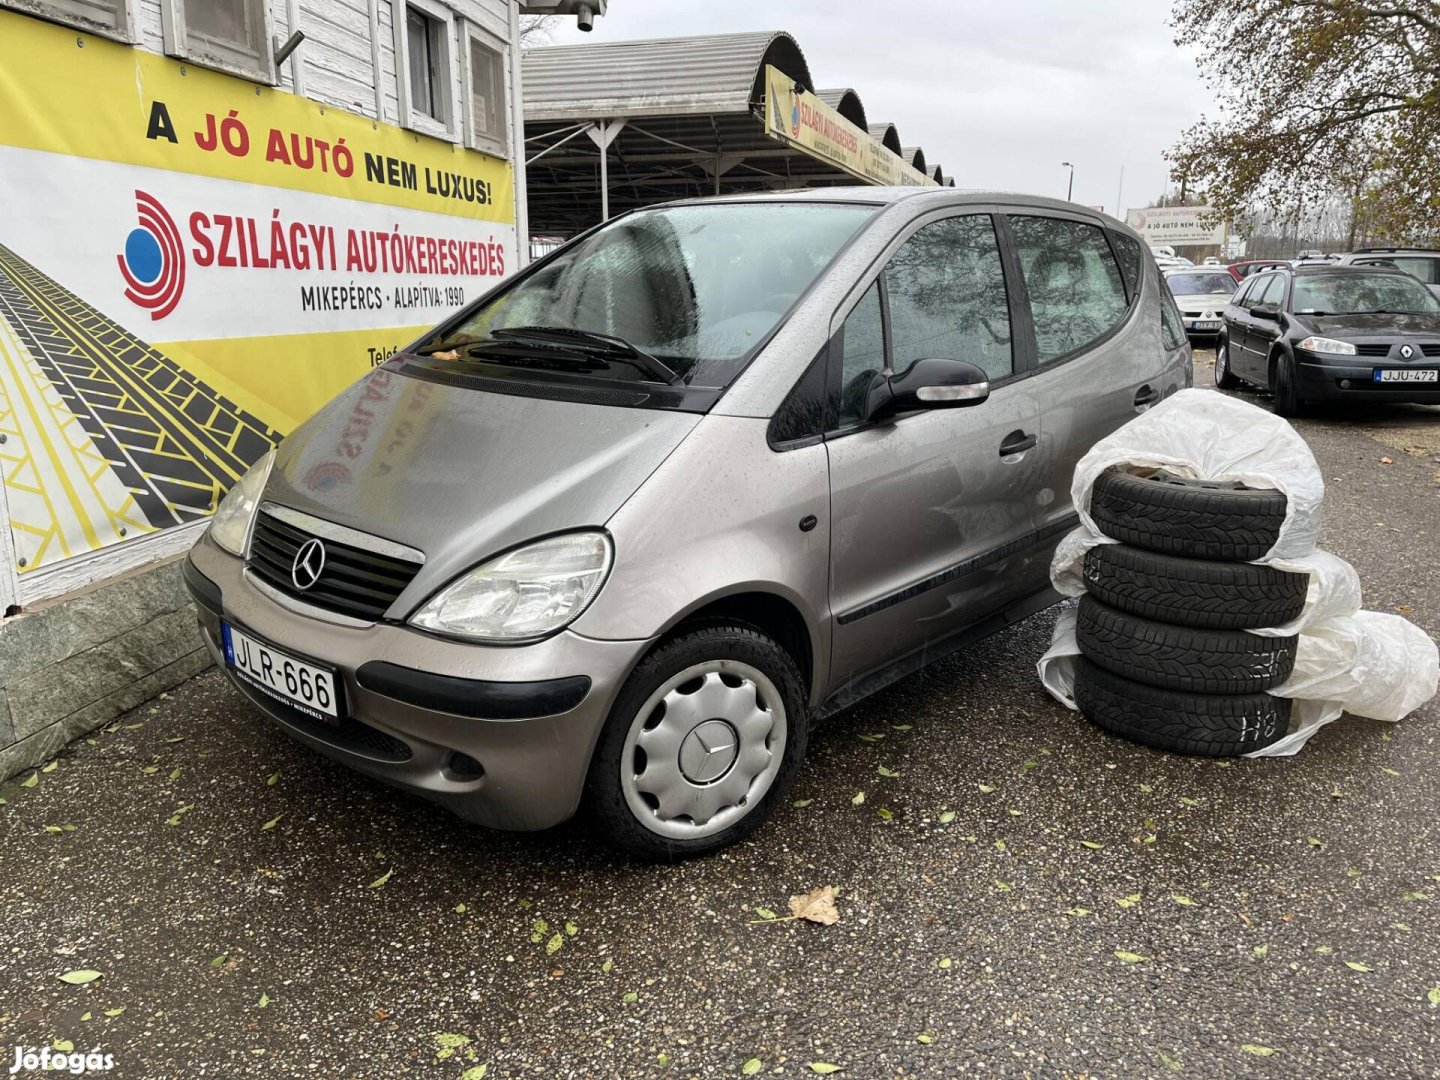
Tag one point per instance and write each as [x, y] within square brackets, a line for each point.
[1317, 98]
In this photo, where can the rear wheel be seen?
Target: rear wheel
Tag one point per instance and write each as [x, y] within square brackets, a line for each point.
[1283, 391]
[702, 743]
[1224, 378]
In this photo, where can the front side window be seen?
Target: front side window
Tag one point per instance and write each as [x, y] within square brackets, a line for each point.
[946, 292]
[698, 287]
[1076, 295]
[1361, 293]
[231, 35]
[862, 355]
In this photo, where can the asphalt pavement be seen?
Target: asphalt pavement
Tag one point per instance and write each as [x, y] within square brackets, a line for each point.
[1026, 897]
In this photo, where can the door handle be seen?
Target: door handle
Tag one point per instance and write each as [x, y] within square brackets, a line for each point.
[1017, 442]
[1146, 395]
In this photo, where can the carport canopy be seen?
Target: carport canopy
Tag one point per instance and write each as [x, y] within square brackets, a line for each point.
[618, 125]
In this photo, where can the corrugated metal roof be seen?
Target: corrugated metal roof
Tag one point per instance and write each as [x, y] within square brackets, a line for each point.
[889, 135]
[915, 155]
[724, 73]
[847, 103]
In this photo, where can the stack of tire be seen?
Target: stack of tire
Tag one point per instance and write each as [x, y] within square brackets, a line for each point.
[1165, 656]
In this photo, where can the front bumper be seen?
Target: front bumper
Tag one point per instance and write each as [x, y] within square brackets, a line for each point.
[500, 736]
[1324, 379]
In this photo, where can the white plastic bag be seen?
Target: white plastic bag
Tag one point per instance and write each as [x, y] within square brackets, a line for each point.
[1347, 660]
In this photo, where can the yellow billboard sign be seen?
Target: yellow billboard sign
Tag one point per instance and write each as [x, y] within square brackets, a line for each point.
[798, 118]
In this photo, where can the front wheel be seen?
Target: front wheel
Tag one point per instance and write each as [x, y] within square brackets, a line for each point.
[1224, 378]
[1283, 391]
[701, 745]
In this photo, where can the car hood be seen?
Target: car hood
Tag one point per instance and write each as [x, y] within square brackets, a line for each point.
[1425, 324]
[463, 474]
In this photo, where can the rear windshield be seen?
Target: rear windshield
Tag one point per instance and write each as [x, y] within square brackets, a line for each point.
[1201, 284]
[697, 287]
[1359, 292]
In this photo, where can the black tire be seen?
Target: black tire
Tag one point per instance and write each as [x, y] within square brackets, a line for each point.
[1285, 397]
[1198, 519]
[1205, 725]
[1193, 592]
[1225, 379]
[1182, 657]
[698, 644]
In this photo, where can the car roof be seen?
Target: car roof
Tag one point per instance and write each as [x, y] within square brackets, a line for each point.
[1201, 269]
[1394, 251]
[887, 196]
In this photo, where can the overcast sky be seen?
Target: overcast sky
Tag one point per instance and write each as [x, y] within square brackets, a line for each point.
[997, 93]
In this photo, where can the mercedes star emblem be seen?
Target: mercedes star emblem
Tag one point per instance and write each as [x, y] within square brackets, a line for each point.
[1406, 351]
[309, 564]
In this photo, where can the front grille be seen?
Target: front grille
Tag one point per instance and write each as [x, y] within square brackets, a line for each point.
[1372, 350]
[1431, 348]
[354, 582]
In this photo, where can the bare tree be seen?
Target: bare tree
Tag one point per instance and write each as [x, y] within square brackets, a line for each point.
[1317, 98]
[537, 30]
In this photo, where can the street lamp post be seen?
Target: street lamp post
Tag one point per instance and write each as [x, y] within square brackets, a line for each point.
[1070, 188]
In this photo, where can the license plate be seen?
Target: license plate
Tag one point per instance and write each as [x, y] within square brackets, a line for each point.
[1205, 325]
[1407, 374]
[301, 685]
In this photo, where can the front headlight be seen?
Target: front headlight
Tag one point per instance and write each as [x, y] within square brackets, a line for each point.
[1328, 345]
[525, 594]
[230, 527]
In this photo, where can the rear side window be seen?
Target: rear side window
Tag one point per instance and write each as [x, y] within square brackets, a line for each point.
[946, 292]
[1076, 293]
[1128, 251]
[1427, 270]
[1270, 291]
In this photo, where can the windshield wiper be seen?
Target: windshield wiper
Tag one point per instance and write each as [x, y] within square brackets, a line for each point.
[593, 341]
[1387, 311]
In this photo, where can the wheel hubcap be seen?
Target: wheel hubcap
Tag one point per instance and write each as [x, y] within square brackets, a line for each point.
[704, 749]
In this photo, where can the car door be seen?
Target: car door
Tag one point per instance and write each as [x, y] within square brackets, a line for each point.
[1265, 328]
[931, 511]
[1247, 364]
[1095, 369]
[1237, 321]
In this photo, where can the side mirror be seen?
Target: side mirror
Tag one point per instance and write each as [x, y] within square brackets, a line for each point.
[927, 384]
[1268, 312]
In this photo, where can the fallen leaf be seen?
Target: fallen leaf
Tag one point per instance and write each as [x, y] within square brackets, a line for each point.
[176, 739]
[1029, 765]
[859, 799]
[985, 789]
[112, 1013]
[872, 738]
[460, 909]
[175, 773]
[1129, 957]
[1261, 951]
[53, 829]
[1004, 886]
[86, 1017]
[81, 977]
[947, 817]
[884, 815]
[1189, 802]
[1387, 461]
[943, 963]
[478, 1072]
[1146, 788]
[1183, 901]
[219, 960]
[817, 906]
[1173, 1064]
[271, 823]
[751, 1067]
[1258, 1050]
[1091, 844]
[264, 1001]
[889, 774]
[63, 1046]
[34, 779]
[901, 727]
[1078, 912]
[448, 1043]
[1434, 996]
[630, 998]
[50, 767]
[824, 1068]
[1389, 771]
[607, 967]
[1400, 926]
[571, 929]
[448, 354]
[1354, 873]
[1314, 841]
[999, 845]
[379, 883]
[555, 944]
[150, 770]
[800, 804]
[1356, 965]
[1129, 901]
[924, 1040]
[272, 779]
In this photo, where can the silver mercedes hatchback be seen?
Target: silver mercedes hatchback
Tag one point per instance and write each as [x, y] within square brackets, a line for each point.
[619, 532]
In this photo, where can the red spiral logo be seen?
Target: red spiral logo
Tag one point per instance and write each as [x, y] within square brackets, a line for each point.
[153, 262]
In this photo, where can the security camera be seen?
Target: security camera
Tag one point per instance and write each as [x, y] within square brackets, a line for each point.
[585, 17]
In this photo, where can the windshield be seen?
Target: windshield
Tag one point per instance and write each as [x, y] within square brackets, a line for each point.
[1201, 284]
[696, 287]
[1357, 293]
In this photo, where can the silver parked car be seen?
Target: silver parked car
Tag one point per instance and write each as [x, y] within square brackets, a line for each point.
[1201, 294]
[623, 528]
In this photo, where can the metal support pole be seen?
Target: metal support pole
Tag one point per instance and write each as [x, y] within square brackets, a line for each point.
[602, 133]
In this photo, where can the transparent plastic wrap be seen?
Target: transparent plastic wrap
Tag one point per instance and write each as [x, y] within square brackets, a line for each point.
[1348, 660]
